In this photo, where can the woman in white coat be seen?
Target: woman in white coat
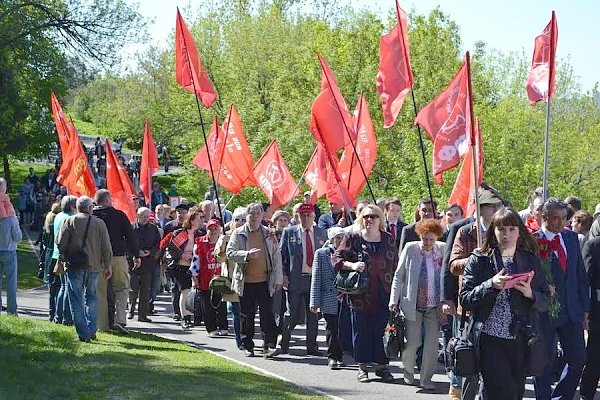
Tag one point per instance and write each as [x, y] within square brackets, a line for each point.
[416, 291]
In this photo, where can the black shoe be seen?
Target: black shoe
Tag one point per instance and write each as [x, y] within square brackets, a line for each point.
[176, 317]
[333, 364]
[130, 315]
[314, 352]
[186, 322]
[249, 353]
[84, 340]
[120, 328]
[385, 375]
[340, 364]
[144, 319]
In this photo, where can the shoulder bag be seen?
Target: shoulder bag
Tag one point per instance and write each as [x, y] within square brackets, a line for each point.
[354, 282]
[460, 353]
[78, 258]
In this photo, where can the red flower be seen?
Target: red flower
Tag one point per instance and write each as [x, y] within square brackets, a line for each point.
[544, 253]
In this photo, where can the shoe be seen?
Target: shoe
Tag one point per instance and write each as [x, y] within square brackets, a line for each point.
[333, 364]
[144, 319]
[84, 340]
[186, 323]
[409, 378]
[223, 332]
[427, 386]
[249, 353]
[93, 337]
[314, 352]
[385, 375]
[213, 334]
[130, 315]
[362, 376]
[176, 317]
[270, 353]
[340, 364]
[120, 328]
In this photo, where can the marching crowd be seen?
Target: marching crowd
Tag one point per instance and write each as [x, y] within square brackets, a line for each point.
[524, 298]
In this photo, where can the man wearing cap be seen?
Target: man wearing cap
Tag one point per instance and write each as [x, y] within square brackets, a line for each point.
[464, 243]
[182, 210]
[323, 295]
[298, 245]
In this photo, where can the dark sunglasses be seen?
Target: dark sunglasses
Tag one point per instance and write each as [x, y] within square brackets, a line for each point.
[238, 219]
[371, 216]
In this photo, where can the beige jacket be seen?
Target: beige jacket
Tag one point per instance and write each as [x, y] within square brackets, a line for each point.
[227, 267]
[97, 245]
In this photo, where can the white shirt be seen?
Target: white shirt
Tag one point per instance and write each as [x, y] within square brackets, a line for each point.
[550, 236]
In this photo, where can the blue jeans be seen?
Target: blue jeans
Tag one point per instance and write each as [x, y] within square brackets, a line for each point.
[234, 308]
[8, 266]
[63, 309]
[82, 286]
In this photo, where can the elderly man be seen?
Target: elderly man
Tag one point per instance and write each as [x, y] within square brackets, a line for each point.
[123, 242]
[257, 275]
[83, 231]
[161, 219]
[148, 238]
[298, 245]
[426, 209]
[10, 236]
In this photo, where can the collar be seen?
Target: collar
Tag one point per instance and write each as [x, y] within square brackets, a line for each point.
[549, 235]
[309, 230]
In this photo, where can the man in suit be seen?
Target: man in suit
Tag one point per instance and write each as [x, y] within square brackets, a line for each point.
[426, 209]
[332, 218]
[392, 211]
[591, 372]
[572, 290]
[298, 245]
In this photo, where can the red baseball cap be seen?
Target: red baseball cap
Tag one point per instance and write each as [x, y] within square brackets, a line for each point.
[213, 222]
[306, 208]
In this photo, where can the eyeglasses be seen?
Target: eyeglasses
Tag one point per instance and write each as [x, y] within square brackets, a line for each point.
[371, 216]
[238, 219]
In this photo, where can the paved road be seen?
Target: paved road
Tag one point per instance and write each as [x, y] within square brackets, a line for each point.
[306, 371]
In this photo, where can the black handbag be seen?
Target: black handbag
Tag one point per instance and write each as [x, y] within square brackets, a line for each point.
[461, 354]
[220, 284]
[79, 258]
[192, 301]
[354, 282]
[393, 336]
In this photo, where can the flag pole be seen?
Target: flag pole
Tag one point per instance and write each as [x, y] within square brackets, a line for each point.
[548, 92]
[422, 145]
[350, 137]
[212, 174]
[298, 182]
[224, 145]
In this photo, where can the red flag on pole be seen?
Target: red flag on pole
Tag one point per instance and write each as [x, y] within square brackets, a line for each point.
[62, 125]
[274, 178]
[540, 82]
[447, 120]
[149, 162]
[394, 77]
[119, 185]
[464, 188]
[315, 174]
[237, 157]
[75, 173]
[189, 71]
[351, 173]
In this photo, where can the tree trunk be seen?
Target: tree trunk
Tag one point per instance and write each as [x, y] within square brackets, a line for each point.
[6, 171]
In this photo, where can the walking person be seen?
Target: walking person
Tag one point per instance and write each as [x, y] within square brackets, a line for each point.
[83, 231]
[10, 236]
[68, 205]
[52, 280]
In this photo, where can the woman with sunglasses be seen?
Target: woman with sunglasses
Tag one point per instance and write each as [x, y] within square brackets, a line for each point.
[416, 287]
[369, 310]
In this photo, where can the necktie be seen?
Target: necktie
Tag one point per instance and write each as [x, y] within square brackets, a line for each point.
[562, 256]
[393, 230]
[309, 250]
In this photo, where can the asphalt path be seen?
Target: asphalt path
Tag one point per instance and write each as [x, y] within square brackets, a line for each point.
[297, 368]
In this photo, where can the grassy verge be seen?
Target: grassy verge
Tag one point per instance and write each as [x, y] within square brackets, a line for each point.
[19, 170]
[44, 360]
[27, 266]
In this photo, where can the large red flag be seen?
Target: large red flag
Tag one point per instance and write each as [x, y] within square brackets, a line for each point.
[316, 173]
[75, 173]
[394, 77]
[463, 192]
[189, 71]
[274, 178]
[447, 120]
[540, 82]
[215, 143]
[119, 185]
[351, 173]
[62, 125]
[237, 157]
[149, 162]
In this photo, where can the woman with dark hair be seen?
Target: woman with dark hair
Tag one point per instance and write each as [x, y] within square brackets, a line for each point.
[581, 223]
[503, 306]
[416, 290]
[373, 250]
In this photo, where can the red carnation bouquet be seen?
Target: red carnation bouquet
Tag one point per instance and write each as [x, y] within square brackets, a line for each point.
[545, 251]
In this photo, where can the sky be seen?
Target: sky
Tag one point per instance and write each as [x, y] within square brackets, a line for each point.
[509, 25]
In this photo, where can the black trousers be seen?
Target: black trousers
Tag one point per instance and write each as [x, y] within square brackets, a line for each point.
[140, 281]
[334, 349]
[257, 294]
[591, 372]
[502, 364]
[175, 291]
[214, 311]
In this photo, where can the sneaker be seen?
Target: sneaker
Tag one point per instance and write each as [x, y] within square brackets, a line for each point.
[409, 378]
[213, 334]
[270, 353]
[340, 364]
[385, 375]
[362, 376]
[249, 353]
[176, 317]
[333, 364]
[120, 328]
[223, 332]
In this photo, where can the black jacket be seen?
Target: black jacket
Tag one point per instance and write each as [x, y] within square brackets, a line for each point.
[591, 259]
[122, 239]
[148, 238]
[450, 281]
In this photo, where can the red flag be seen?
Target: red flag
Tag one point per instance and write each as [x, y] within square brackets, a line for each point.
[149, 162]
[119, 185]
[62, 125]
[331, 122]
[464, 189]
[216, 143]
[189, 71]
[237, 157]
[75, 173]
[274, 178]
[447, 120]
[394, 77]
[540, 82]
[316, 173]
[351, 173]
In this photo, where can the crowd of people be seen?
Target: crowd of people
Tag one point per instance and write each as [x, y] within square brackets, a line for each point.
[526, 295]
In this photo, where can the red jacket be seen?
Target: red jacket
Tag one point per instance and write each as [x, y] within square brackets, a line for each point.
[204, 262]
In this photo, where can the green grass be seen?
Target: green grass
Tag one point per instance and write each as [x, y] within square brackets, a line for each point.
[19, 170]
[45, 360]
[27, 266]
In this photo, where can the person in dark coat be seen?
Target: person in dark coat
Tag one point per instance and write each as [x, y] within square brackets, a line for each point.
[426, 209]
[591, 372]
